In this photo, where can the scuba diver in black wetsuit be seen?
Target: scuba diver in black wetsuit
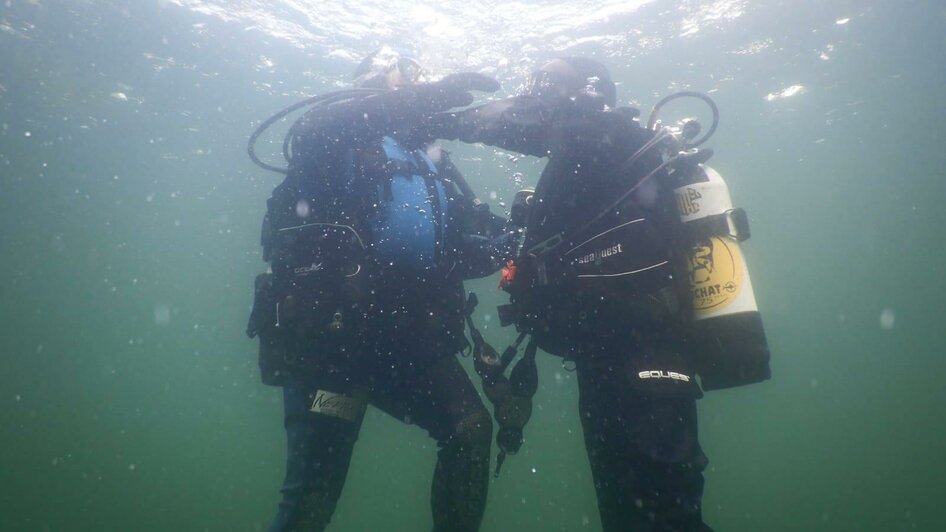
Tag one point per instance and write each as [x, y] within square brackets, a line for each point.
[606, 279]
[369, 238]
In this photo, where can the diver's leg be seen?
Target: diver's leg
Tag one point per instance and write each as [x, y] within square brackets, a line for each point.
[461, 478]
[320, 442]
[443, 401]
[602, 450]
[645, 459]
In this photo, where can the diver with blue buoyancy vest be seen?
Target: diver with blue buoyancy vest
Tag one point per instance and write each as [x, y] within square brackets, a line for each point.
[369, 238]
[616, 273]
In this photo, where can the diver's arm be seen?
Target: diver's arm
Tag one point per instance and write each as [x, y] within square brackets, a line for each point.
[358, 121]
[520, 124]
[482, 240]
[479, 220]
[478, 256]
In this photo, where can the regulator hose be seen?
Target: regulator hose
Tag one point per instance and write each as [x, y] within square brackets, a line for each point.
[652, 119]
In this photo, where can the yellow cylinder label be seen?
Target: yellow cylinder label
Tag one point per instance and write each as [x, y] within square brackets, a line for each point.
[715, 273]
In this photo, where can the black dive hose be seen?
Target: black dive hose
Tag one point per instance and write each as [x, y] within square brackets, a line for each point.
[323, 99]
[550, 244]
[547, 246]
[698, 156]
[511, 396]
[691, 153]
[652, 119]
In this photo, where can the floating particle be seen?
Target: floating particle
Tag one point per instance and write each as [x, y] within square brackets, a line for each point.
[887, 319]
[162, 315]
[303, 209]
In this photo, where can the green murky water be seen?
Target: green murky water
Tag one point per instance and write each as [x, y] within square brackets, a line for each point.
[129, 239]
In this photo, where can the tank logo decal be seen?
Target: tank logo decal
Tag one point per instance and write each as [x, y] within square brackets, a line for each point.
[686, 201]
[715, 273]
[337, 405]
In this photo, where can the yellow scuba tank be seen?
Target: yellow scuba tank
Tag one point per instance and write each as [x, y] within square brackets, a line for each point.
[730, 346]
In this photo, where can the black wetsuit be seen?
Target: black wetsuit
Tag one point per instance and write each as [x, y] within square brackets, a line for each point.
[405, 361]
[640, 432]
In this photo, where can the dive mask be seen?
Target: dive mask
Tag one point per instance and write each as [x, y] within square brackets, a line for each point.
[388, 69]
